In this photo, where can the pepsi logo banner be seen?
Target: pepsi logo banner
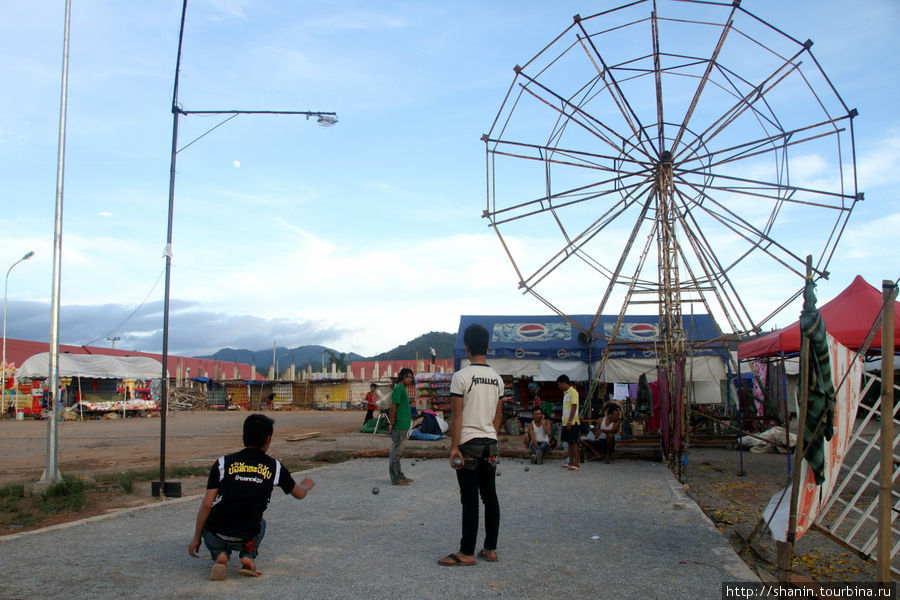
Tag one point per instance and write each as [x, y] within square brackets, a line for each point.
[531, 332]
[637, 332]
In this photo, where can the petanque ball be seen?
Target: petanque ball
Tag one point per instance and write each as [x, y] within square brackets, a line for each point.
[526, 468]
[457, 462]
[375, 490]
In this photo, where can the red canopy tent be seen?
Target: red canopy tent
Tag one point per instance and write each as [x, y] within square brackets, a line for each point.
[848, 317]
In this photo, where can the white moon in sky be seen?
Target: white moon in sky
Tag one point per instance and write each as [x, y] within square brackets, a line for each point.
[236, 164]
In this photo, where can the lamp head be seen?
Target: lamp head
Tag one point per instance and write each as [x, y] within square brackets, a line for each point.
[29, 255]
[327, 120]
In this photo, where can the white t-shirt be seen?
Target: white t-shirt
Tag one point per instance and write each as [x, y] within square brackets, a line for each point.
[480, 388]
[540, 436]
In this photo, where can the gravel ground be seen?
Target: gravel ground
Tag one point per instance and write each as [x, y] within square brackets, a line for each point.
[624, 530]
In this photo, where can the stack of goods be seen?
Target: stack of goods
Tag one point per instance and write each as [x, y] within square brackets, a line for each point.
[433, 391]
[120, 405]
[187, 399]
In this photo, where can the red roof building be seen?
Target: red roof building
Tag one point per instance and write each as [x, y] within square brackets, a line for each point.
[17, 351]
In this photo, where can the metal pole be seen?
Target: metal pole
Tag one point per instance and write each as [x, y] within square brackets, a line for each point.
[51, 470]
[785, 550]
[5, 296]
[164, 383]
[889, 293]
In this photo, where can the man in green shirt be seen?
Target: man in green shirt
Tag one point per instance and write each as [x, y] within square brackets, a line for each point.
[400, 424]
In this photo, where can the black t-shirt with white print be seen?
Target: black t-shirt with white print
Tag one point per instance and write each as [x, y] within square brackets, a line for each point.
[244, 481]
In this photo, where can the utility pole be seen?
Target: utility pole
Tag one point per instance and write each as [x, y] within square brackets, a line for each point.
[325, 119]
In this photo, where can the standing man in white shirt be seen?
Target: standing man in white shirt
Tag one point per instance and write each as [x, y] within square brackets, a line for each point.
[475, 392]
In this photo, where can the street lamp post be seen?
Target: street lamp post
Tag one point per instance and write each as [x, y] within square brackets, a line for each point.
[5, 295]
[162, 488]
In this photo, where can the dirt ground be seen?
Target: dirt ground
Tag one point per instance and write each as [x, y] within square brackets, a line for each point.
[731, 494]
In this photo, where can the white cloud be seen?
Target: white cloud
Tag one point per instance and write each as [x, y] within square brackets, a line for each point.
[880, 166]
[231, 8]
[872, 239]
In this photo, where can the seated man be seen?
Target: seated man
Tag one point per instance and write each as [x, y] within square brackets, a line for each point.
[537, 436]
[603, 436]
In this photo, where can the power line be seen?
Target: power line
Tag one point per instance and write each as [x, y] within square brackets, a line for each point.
[128, 318]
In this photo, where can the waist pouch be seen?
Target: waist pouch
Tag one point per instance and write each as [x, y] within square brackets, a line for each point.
[479, 449]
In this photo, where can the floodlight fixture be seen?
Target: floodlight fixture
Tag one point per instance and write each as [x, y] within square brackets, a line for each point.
[327, 120]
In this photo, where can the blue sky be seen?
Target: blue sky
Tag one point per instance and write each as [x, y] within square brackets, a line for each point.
[361, 236]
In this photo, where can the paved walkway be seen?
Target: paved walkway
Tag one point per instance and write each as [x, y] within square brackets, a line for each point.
[609, 531]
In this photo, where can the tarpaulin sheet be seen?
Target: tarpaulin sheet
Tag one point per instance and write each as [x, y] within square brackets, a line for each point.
[812, 497]
[92, 365]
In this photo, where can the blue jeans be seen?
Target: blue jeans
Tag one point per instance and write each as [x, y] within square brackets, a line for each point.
[544, 447]
[217, 545]
[398, 445]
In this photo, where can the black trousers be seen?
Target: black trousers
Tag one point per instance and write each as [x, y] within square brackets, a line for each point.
[472, 483]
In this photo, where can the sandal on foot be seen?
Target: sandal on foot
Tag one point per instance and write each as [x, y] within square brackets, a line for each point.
[453, 560]
[483, 554]
[219, 572]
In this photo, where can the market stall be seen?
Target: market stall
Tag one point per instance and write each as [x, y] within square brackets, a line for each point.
[538, 349]
[99, 384]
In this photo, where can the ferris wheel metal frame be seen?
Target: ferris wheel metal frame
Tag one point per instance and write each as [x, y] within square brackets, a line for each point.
[711, 183]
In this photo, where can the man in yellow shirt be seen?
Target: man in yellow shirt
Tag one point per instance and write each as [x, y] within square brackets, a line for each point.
[571, 421]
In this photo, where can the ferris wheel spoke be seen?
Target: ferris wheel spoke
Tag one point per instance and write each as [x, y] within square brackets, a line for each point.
[744, 104]
[542, 153]
[626, 252]
[577, 243]
[545, 203]
[756, 189]
[726, 28]
[771, 143]
[619, 98]
[585, 120]
[715, 273]
[632, 285]
[746, 230]
[657, 80]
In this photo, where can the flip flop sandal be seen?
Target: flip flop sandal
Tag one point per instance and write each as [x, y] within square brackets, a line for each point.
[483, 555]
[247, 572]
[452, 560]
[218, 573]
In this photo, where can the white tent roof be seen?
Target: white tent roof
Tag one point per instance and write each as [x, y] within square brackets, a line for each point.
[92, 365]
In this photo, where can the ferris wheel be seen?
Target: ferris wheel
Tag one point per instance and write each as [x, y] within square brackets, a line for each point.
[672, 153]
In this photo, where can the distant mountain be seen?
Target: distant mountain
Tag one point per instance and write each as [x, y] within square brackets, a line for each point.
[421, 347]
[301, 356]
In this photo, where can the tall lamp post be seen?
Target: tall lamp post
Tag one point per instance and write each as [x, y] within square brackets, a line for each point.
[5, 295]
[163, 488]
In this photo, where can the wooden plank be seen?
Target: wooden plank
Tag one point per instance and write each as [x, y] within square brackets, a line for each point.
[303, 436]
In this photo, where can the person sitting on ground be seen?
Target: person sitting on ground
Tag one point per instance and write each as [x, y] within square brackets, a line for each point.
[238, 491]
[537, 436]
[603, 438]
